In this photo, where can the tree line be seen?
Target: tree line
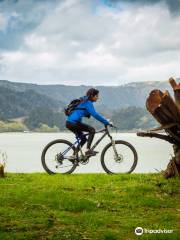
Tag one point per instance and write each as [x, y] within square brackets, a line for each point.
[45, 119]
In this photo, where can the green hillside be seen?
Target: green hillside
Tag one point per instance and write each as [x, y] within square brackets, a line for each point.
[16, 104]
[113, 97]
[43, 104]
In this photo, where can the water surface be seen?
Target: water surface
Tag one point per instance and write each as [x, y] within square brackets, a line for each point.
[24, 151]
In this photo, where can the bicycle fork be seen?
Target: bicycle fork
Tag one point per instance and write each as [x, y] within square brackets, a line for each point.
[113, 145]
[114, 148]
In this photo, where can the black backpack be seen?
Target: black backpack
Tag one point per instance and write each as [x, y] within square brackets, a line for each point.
[73, 105]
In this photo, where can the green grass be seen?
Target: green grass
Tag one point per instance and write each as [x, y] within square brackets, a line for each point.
[88, 206]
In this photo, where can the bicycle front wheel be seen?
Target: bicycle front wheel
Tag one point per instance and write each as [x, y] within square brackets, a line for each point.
[55, 155]
[124, 161]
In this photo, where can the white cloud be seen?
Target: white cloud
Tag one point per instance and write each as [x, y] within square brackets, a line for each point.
[35, 42]
[77, 44]
[3, 22]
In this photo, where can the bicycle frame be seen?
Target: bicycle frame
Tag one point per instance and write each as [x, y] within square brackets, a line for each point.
[65, 152]
[96, 143]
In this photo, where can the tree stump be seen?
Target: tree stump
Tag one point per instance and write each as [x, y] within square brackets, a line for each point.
[166, 111]
[2, 171]
[176, 88]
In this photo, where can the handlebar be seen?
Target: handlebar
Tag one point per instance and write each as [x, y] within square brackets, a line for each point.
[112, 126]
[106, 129]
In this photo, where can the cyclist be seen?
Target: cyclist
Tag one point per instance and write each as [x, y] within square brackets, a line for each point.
[74, 120]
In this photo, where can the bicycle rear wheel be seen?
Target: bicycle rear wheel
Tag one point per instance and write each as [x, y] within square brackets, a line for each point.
[125, 162]
[55, 155]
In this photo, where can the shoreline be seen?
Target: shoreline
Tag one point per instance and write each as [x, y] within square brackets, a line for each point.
[128, 131]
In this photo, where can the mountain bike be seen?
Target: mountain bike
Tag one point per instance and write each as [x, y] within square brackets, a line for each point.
[117, 157]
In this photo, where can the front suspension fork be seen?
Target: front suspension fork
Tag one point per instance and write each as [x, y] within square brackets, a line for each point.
[114, 147]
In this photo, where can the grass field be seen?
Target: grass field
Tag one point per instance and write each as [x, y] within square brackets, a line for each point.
[88, 206]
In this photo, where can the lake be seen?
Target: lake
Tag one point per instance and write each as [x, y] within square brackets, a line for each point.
[24, 151]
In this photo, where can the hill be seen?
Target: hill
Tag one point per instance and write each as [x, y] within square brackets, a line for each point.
[113, 97]
[43, 104]
[15, 103]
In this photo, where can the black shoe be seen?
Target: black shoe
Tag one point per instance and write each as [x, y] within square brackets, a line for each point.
[90, 153]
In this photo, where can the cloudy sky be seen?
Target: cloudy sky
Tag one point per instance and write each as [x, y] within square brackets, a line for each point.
[97, 42]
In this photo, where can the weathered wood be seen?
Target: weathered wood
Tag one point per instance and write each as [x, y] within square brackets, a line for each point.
[2, 171]
[164, 110]
[172, 170]
[169, 104]
[176, 88]
[160, 136]
[173, 167]
[167, 112]
[154, 100]
[162, 107]
[177, 154]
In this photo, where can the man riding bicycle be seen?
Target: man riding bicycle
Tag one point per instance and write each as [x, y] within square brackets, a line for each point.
[74, 120]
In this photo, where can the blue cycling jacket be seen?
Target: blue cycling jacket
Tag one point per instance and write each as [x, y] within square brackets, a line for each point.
[77, 115]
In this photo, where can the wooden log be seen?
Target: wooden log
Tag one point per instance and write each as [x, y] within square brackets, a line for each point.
[176, 89]
[164, 110]
[2, 170]
[167, 112]
[160, 136]
[177, 154]
[169, 104]
[154, 100]
[162, 106]
[172, 170]
[173, 167]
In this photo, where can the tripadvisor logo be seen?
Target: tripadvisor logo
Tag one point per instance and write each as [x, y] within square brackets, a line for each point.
[139, 231]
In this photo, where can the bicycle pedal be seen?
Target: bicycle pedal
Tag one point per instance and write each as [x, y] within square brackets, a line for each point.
[76, 162]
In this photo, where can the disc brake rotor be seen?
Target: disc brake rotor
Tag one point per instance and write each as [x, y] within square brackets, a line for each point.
[118, 158]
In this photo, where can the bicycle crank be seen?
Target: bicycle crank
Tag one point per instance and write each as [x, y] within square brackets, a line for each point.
[83, 159]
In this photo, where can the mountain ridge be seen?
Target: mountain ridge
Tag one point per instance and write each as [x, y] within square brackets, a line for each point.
[59, 95]
[134, 93]
[43, 104]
